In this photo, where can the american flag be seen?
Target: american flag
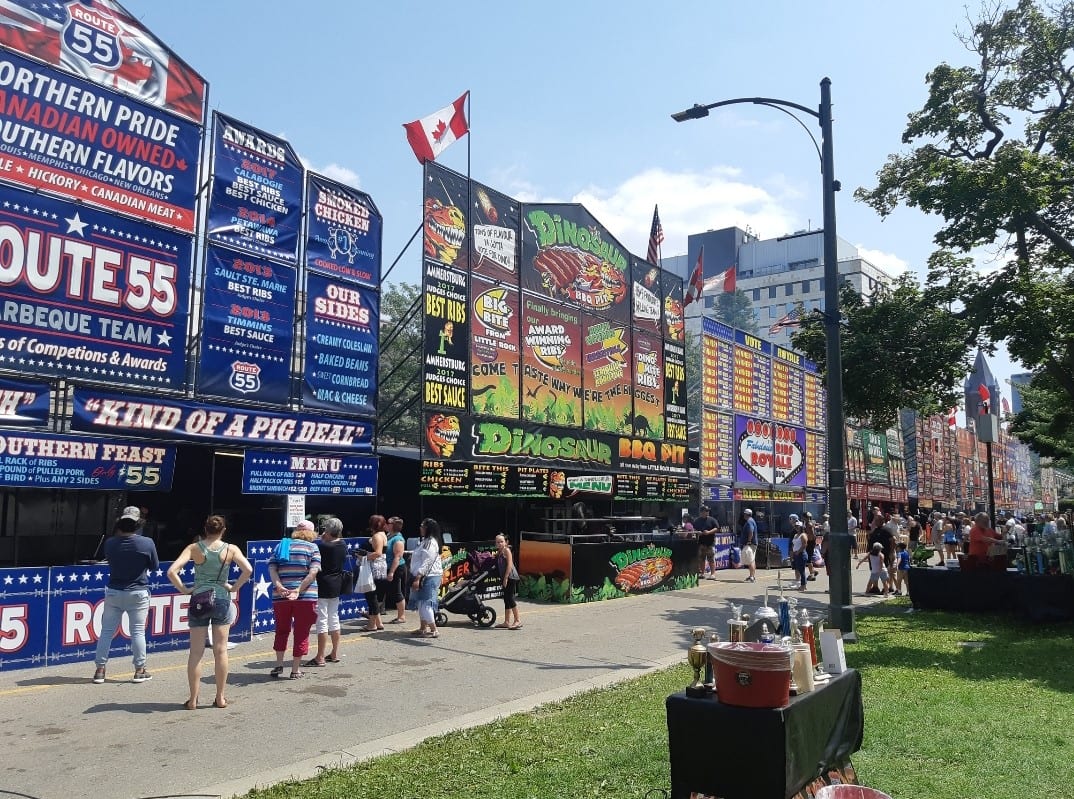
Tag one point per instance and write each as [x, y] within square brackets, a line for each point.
[792, 318]
[656, 238]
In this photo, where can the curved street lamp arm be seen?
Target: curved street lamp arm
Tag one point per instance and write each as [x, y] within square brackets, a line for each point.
[803, 126]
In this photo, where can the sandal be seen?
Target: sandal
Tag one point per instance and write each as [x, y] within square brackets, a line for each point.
[370, 629]
[397, 621]
[428, 634]
[190, 704]
[296, 675]
[314, 663]
[276, 672]
[503, 626]
[515, 627]
[331, 659]
[220, 704]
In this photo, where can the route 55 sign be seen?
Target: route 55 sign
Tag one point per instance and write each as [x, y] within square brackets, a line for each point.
[245, 377]
[93, 34]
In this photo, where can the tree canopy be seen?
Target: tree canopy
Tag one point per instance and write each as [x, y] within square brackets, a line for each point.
[898, 350]
[992, 155]
[735, 308]
[399, 411]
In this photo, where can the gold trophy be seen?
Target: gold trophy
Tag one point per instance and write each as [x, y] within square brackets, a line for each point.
[697, 655]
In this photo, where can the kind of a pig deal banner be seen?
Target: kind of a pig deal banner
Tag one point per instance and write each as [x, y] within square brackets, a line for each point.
[768, 452]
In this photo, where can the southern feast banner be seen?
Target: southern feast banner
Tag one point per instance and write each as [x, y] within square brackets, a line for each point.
[495, 366]
[343, 231]
[41, 460]
[444, 216]
[247, 328]
[769, 453]
[494, 235]
[551, 362]
[646, 296]
[75, 609]
[101, 412]
[23, 404]
[342, 323]
[447, 340]
[464, 438]
[89, 295]
[567, 255]
[256, 202]
[101, 42]
[64, 136]
[606, 381]
[284, 473]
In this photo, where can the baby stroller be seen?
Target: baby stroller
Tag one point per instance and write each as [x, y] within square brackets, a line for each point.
[465, 596]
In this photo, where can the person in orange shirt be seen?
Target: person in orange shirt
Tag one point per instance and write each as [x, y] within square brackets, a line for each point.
[982, 536]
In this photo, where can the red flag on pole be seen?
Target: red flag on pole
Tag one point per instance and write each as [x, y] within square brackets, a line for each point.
[1006, 405]
[697, 282]
[985, 395]
[431, 135]
[951, 421]
[656, 237]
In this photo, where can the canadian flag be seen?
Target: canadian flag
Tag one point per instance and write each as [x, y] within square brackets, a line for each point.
[985, 395]
[725, 281]
[951, 421]
[431, 135]
[697, 282]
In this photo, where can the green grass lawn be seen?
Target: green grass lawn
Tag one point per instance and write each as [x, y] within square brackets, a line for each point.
[942, 721]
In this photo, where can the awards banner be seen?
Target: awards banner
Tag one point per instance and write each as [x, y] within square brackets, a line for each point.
[495, 366]
[257, 182]
[551, 362]
[287, 473]
[788, 386]
[606, 380]
[674, 317]
[717, 364]
[717, 446]
[646, 296]
[63, 135]
[447, 340]
[343, 231]
[494, 235]
[90, 295]
[100, 41]
[675, 401]
[342, 325]
[23, 404]
[101, 412]
[23, 617]
[567, 255]
[648, 386]
[76, 609]
[444, 220]
[247, 328]
[41, 460]
[479, 441]
[752, 375]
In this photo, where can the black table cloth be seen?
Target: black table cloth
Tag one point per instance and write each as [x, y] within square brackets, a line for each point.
[749, 753]
[1036, 597]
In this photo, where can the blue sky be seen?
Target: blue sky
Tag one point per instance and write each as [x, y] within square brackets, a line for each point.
[571, 101]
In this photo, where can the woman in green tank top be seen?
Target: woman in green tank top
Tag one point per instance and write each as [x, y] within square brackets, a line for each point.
[213, 559]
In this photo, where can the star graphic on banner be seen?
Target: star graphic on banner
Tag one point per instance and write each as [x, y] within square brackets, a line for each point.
[261, 588]
[98, 576]
[8, 580]
[23, 579]
[37, 579]
[76, 225]
[164, 339]
[59, 578]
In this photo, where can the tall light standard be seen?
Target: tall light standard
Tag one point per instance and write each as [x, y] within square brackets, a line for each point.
[841, 611]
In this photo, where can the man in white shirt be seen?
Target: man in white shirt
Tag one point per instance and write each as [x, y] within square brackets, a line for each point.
[852, 528]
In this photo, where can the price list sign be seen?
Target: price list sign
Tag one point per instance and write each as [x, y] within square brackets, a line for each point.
[816, 460]
[717, 365]
[532, 480]
[444, 477]
[489, 478]
[627, 486]
[813, 402]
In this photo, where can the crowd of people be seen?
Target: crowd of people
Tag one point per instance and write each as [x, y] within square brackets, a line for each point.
[309, 571]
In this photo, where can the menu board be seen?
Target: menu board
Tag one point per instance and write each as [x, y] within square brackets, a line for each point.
[816, 459]
[445, 477]
[627, 486]
[788, 386]
[489, 478]
[532, 480]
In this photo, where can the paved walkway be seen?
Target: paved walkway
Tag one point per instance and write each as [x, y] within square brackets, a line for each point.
[66, 737]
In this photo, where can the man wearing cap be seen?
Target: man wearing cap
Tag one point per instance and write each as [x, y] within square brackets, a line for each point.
[130, 557]
[706, 526]
[747, 541]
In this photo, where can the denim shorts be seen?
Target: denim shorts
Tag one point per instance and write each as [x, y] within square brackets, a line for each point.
[223, 611]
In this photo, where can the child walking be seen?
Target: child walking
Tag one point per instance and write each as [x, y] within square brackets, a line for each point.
[878, 570]
[902, 569]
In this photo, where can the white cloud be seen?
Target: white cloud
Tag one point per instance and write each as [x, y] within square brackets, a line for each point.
[342, 174]
[886, 261]
[689, 203]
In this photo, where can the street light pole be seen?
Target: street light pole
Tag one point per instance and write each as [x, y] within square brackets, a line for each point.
[840, 609]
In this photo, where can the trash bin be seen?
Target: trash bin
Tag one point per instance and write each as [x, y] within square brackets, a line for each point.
[850, 792]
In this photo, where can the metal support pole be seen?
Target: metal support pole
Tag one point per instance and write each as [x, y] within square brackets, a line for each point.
[841, 610]
[991, 487]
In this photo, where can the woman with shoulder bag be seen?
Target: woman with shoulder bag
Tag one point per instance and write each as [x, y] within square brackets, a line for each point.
[427, 572]
[378, 562]
[212, 558]
[329, 589]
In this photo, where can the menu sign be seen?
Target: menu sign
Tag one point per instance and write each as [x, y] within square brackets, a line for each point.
[444, 477]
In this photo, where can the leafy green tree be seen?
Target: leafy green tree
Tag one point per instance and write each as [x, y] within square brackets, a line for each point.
[735, 308]
[1046, 421]
[899, 351]
[399, 395]
[993, 158]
